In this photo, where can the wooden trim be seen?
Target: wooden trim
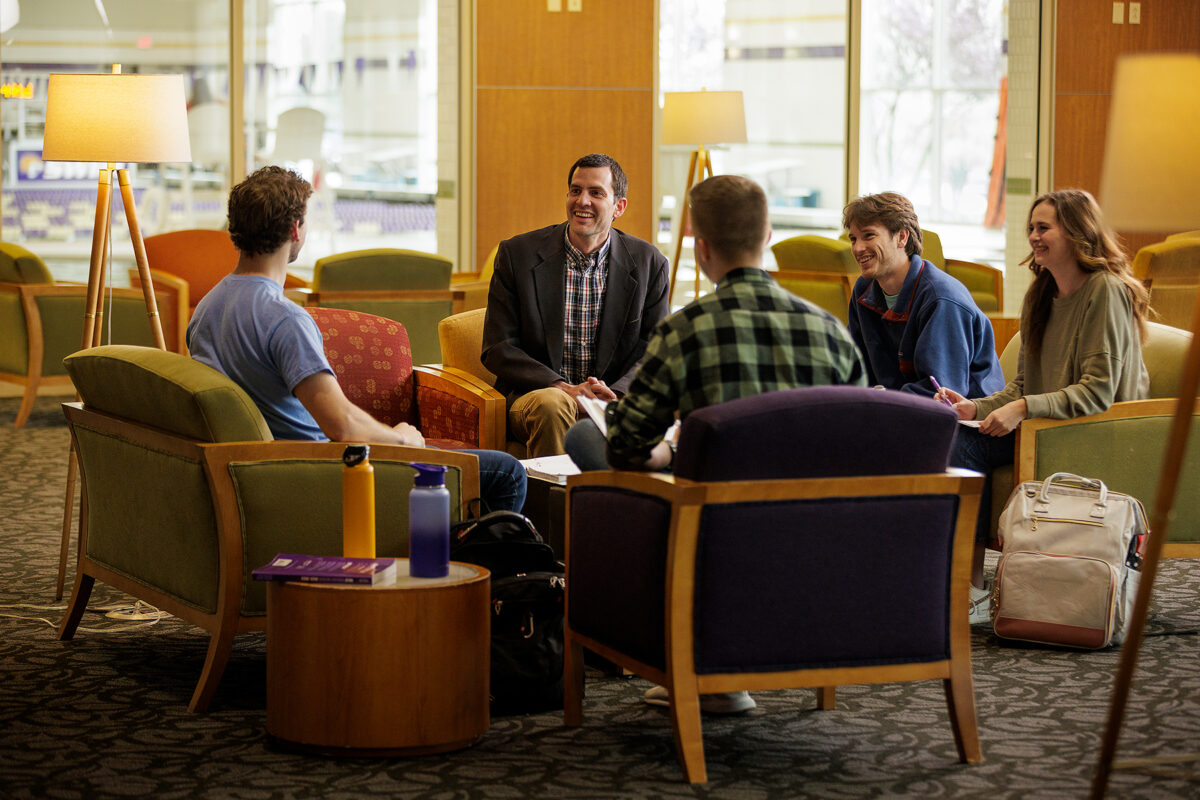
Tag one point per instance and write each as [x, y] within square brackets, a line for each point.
[466, 387]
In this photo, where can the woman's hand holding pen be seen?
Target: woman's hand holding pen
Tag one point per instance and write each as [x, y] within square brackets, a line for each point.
[962, 406]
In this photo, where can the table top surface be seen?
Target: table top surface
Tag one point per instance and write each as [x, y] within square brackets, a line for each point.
[460, 573]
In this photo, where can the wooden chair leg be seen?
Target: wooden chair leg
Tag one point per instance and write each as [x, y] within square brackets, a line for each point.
[64, 546]
[220, 645]
[685, 723]
[31, 387]
[960, 702]
[827, 698]
[572, 683]
[78, 604]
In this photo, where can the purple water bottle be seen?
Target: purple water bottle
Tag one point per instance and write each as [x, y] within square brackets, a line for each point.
[429, 523]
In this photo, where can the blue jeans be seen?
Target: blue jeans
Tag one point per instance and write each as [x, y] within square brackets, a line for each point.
[501, 480]
[982, 453]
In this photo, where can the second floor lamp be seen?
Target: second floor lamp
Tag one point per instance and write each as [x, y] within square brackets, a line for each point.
[700, 119]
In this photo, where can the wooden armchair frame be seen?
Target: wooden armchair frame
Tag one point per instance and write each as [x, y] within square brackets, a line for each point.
[172, 309]
[227, 620]
[687, 500]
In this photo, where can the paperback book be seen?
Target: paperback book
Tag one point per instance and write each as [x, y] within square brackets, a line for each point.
[328, 569]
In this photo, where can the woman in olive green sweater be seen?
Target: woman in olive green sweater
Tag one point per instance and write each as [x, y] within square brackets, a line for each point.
[1082, 324]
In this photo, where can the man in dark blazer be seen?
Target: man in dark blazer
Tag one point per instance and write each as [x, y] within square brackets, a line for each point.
[570, 309]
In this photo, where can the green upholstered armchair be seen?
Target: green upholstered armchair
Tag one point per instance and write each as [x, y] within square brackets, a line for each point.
[984, 282]
[1123, 446]
[828, 290]
[408, 286]
[185, 493]
[41, 321]
[811, 253]
[1171, 270]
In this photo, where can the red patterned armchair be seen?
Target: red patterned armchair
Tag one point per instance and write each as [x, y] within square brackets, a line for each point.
[372, 359]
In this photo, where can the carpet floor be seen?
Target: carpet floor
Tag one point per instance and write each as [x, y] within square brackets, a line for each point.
[105, 715]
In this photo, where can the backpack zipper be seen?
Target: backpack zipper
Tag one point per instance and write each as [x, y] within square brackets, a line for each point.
[1033, 522]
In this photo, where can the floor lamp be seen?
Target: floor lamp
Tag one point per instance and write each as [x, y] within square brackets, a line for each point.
[1149, 184]
[700, 119]
[113, 119]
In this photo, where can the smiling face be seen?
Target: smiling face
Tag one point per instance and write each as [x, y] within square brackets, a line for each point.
[1047, 239]
[880, 255]
[591, 207]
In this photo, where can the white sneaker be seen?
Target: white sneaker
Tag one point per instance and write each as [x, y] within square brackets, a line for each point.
[981, 606]
[720, 703]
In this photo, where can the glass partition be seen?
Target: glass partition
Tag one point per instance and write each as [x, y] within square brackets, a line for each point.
[50, 207]
[345, 92]
[932, 80]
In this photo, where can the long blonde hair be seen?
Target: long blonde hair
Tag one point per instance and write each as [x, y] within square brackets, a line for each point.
[1094, 246]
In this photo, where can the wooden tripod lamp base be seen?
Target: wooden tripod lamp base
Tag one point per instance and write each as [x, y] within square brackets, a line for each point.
[699, 169]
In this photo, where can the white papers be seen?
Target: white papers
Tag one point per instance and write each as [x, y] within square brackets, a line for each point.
[595, 409]
[550, 468]
[970, 423]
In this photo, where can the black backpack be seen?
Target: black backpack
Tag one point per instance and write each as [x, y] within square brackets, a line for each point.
[528, 588]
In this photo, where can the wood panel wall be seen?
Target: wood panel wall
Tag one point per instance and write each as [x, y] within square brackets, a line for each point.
[1087, 46]
[552, 86]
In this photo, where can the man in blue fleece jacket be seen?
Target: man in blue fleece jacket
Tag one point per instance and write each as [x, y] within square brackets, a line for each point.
[914, 324]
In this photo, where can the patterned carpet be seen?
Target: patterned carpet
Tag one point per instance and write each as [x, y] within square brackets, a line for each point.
[104, 716]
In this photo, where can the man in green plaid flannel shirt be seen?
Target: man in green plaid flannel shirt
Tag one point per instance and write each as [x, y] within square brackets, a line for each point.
[747, 337]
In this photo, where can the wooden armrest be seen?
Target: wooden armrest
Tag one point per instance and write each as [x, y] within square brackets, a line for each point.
[470, 389]
[302, 296]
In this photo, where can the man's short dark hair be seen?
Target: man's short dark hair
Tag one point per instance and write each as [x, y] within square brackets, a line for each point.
[619, 182]
[263, 207]
[730, 213]
[891, 210]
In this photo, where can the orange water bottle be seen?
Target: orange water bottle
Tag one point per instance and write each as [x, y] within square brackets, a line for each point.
[358, 503]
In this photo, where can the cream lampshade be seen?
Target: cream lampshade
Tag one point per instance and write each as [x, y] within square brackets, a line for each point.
[703, 118]
[1151, 176]
[116, 118]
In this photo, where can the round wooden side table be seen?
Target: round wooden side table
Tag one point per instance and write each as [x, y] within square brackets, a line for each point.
[379, 670]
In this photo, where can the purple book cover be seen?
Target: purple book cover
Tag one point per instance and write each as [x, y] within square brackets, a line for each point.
[327, 569]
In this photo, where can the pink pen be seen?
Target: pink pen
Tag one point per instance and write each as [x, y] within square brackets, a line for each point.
[937, 390]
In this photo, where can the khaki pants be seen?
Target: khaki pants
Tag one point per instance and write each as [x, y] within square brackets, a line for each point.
[541, 419]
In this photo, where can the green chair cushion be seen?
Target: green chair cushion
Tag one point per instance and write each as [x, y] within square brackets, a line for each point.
[381, 269]
[18, 265]
[168, 391]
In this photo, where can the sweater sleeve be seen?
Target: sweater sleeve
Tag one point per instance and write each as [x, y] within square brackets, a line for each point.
[1015, 390]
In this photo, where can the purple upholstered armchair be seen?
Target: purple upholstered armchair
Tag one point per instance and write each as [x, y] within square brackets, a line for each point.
[808, 538]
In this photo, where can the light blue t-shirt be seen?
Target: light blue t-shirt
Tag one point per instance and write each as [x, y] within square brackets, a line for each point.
[246, 328]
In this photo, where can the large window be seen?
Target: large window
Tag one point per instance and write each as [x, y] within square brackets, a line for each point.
[930, 91]
[931, 85]
[345, 91]
[50, 207]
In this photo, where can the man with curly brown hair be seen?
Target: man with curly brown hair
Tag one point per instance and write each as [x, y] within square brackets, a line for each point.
[247, 329]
